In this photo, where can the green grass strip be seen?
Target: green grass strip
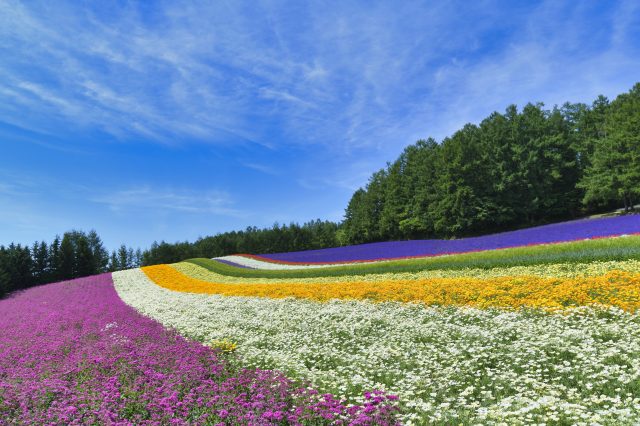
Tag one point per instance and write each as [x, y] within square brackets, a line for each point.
[604, 249]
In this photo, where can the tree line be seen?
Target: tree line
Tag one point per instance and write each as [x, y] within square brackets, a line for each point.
[77, 254]
[279, 238]
[514, 169]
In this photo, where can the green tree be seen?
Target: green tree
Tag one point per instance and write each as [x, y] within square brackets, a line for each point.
[17, 266]
[124, 258]
[423, 166]
[84, 262]
[114, 264]
[396, 200]
[137, 259]
[66, 265]
[614, 173]
[99, 252]
[40, 265]
[460, 205]
[6, 285]
[55, 260]
[588, 127]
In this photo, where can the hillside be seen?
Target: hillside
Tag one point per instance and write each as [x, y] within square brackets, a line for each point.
[509, 326]
[439, 332]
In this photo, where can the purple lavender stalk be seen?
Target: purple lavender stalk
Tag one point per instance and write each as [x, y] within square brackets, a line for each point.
[557, 232]
[230, 263]
[73, 353]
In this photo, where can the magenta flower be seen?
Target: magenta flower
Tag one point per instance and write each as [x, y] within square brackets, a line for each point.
[74, 353]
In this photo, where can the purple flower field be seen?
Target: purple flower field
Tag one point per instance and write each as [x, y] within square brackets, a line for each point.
[557, 232]
[74, 353]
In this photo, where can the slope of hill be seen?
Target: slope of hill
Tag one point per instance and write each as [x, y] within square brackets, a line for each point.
[548, 333]
[474, 338]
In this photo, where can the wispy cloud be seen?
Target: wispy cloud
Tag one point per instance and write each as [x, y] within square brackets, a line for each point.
[557, 55]
[349, 78]
[22, 198]
[262, 168]
[283, 95]
[7, 189]
[158, 200]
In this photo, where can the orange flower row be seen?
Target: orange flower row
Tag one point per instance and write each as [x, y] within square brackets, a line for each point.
[617, 288]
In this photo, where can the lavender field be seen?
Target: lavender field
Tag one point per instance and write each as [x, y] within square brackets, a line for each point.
[553, 233]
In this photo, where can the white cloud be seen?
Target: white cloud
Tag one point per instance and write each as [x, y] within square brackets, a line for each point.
[283, 95]
[144, 198]
[354, 79]
[262, 168]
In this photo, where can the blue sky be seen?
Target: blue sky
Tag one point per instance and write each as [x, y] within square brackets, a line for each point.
[173, 120]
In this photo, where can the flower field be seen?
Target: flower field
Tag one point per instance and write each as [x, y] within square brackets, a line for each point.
[525, 335]
[554, 233]
[533, 334]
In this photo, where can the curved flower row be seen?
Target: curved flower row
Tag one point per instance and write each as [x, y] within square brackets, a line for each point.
[583, 252]
[263, 262]
[257, 262]
[554, 270]
[546, 234]
[447, 365]
[615, 288]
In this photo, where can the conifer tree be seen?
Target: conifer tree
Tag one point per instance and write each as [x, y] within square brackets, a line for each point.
[40, 254]
[98, 251]
[5, 277]
[113, 262]
[67, 265]
[55, 260]
[614, 173]
[124, 260]
[84, 264]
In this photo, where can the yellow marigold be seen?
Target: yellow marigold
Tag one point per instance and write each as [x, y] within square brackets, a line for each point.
[555, 270]
[615, 288]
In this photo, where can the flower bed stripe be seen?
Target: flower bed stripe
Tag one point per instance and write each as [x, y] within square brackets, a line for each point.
[257, 262]
[554, 233]
[556, 270]
[232, 263]
[605, 249]
[616, 288]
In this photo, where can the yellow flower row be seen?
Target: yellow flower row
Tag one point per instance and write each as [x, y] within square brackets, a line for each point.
[616, 288]
[554, 270]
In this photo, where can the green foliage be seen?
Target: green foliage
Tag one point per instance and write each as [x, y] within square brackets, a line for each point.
[75, 255]
[279, 238]
[54, 260]
[614, 170]
[40, 266]
[67, 257]
[15, 268]
[100, 255]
